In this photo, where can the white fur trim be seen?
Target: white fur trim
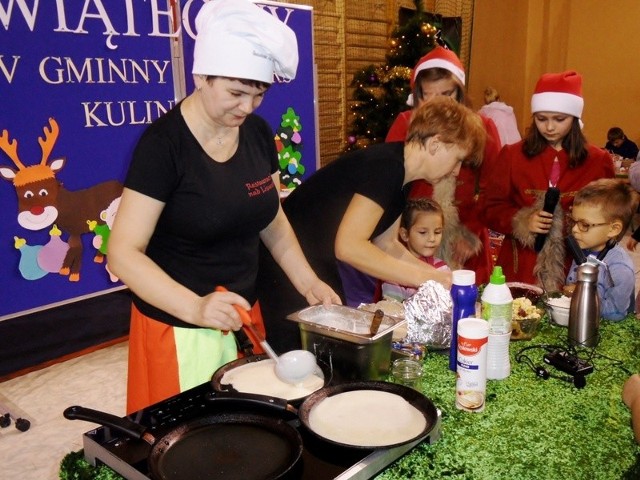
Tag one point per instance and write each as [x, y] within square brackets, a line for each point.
[458, 242]
[410, 100]
[440, 63]
[557, 102]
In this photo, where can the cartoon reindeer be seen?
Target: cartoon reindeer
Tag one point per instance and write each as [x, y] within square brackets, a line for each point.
[42, 199]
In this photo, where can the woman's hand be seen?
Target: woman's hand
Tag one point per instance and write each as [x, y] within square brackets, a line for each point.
[632, 243]
[540, 222]
[217, 311]
[320, 292]
[441, 276]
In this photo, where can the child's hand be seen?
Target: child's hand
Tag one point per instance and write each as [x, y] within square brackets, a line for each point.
[540, 222]
[631, 390]
[631, 398]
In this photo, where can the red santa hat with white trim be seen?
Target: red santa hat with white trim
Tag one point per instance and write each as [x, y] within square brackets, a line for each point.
[438, 57]
[559, 92]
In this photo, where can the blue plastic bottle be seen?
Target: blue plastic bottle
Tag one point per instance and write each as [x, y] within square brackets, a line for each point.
[464, 294]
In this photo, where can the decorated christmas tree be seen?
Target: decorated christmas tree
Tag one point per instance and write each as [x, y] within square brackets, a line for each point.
[289, 145]
[381, 91]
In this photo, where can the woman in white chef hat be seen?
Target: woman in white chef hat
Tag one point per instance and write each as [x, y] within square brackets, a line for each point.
[200, 194]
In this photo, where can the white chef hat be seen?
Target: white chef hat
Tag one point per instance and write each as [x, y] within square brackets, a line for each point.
[237, 39]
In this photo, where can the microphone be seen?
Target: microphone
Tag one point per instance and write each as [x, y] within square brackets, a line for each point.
[575, 250]
[550, 201]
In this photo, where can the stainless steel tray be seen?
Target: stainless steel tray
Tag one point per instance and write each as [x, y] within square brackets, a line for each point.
[344, 323]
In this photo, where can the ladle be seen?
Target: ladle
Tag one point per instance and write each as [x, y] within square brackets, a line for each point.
[291, 367]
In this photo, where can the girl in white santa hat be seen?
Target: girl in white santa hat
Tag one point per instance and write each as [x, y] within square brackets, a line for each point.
[465, 241]
[554, 153]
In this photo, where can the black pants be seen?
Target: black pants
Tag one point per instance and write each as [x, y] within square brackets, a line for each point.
[278, 298]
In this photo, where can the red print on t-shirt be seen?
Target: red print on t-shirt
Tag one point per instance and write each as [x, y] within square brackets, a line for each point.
[260, 187]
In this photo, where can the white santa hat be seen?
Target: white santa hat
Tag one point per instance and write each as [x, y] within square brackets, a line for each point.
[238, 39]
[559, 92]
[438, 57]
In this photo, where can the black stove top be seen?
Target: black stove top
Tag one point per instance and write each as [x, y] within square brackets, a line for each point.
[320, 460]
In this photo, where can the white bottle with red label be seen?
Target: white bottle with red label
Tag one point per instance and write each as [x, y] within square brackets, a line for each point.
[471, 374]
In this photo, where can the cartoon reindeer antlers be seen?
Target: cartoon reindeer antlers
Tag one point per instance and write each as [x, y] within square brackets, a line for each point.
[10, 148]
[49, 140]
[46, 144]
[34, 172]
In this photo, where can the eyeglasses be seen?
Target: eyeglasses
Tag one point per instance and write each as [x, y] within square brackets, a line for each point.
[582, 225]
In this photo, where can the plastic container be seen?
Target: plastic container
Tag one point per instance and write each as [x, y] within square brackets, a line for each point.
[471, 380]
[407, 372]
[464, 294]
[498, 363]
[497, 304]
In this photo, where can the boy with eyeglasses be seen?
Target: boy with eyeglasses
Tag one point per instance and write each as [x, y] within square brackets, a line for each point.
[601, 213]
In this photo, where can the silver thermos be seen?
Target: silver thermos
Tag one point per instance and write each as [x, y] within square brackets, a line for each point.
[584, 314]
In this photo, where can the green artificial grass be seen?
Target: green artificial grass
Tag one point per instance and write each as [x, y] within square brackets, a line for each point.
[531, 429]
[75, 467]
[534, 428]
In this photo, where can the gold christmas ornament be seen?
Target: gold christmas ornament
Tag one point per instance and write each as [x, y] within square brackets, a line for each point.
[428, 29]
[397, 72]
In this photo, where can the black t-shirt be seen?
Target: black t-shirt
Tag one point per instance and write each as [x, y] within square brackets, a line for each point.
[208, 232]
[315, 209]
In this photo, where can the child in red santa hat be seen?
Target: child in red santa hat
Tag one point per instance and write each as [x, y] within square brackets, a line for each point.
[554, 153]
[465, 241]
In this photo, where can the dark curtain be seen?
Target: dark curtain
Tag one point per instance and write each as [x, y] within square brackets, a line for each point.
[30, 340]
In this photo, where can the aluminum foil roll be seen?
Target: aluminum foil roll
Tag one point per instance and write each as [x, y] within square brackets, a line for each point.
[428, 314]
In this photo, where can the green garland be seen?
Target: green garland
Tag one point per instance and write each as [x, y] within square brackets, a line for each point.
[531, 429]
[75, 467]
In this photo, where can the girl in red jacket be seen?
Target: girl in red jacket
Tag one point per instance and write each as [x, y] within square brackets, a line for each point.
[554, 153]
[465, 241]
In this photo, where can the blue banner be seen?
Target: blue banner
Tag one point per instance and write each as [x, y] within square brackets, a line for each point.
[79, 82]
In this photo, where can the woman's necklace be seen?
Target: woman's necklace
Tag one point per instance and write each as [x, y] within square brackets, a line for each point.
[220, 138]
